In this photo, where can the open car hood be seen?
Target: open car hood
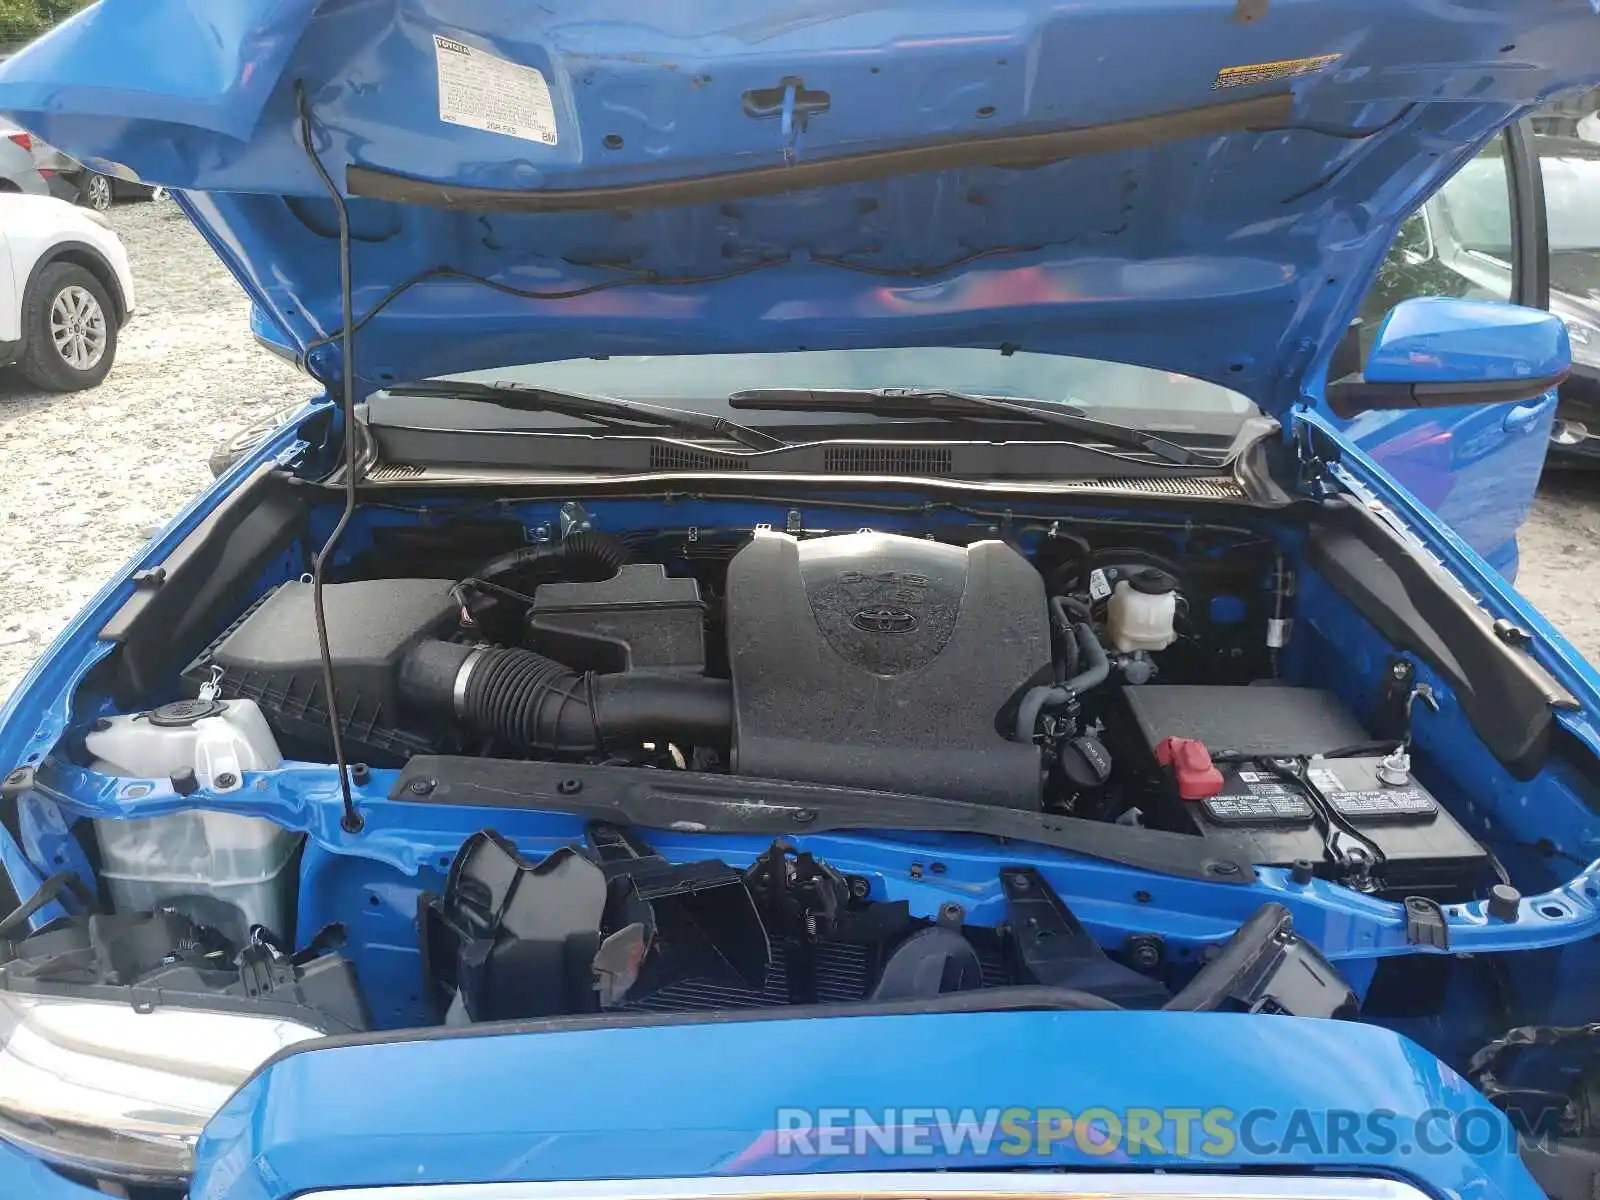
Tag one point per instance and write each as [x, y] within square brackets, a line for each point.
[1203, 186]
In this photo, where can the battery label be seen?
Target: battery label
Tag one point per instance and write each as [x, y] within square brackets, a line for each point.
[1324, 779]
[1264, 803]
[1387, 803]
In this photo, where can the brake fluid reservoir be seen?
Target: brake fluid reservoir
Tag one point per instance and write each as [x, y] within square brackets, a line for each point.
[1141, 610]
[221, 869]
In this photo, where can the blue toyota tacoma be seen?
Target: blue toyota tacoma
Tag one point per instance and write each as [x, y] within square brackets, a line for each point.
[828, 637]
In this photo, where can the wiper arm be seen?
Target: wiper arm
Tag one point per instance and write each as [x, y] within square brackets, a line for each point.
[519, 397]
[940, 402]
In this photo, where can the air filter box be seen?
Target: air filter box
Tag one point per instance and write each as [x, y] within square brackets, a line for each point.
[270, 655]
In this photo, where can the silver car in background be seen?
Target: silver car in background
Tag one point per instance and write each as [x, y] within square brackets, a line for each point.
[19, 172]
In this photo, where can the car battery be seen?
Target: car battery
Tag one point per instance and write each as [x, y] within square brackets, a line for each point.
[1278, 790]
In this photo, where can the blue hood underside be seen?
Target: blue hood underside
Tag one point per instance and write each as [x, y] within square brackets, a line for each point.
[1202, 186]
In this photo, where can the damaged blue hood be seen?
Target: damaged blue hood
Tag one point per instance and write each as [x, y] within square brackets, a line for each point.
[1204, 186]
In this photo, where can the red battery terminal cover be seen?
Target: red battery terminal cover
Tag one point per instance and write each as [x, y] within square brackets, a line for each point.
[1191, 765]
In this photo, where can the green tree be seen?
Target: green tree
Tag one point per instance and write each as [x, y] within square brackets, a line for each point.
[23, 20]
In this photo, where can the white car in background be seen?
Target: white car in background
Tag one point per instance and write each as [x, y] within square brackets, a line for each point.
[65, 292]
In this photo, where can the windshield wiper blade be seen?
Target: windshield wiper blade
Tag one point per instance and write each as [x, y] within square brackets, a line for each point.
[941, 402]
[520, 397]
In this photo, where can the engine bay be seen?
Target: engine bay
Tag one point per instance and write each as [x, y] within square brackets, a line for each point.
[606, 761]
[868, 660]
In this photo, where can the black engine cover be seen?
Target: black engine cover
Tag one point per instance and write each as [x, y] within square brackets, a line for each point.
[882, 661]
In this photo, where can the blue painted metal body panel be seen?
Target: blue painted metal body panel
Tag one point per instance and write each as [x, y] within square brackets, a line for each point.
[705, 1099]
[1476, 468]
[1248, 251]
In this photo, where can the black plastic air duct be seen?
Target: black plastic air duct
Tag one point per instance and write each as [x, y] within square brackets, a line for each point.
[535, 702]
[583, 556]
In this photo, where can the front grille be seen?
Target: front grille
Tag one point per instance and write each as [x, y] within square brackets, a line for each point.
[881, 460]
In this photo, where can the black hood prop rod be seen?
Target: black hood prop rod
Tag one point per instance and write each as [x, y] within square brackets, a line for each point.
[352, 820]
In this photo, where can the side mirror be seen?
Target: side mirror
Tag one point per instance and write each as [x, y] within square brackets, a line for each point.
[1415, 240]
[1436, 351]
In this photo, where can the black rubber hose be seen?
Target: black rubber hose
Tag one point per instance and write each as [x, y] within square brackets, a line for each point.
[1037, 700]
[536, 703]
[584, 557]
[1066, 661]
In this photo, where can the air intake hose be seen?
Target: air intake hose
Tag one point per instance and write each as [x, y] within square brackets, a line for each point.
[535, 702]
[583, 556]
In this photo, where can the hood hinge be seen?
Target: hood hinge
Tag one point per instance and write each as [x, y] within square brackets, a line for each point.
[1315, 479]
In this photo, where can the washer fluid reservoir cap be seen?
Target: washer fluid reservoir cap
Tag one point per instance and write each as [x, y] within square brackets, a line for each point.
[182, 713]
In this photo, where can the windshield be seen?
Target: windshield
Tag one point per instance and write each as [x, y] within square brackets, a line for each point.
[1114, 391]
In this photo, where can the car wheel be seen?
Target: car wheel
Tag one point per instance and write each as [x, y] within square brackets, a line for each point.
[69, 330]
[95, 191]
[243, 441]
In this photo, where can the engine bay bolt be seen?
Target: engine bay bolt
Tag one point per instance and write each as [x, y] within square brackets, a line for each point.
[803, 816]
[17, 777]
[937, 868]
[1224, 869]
[569, 787]
[1504, 902]
[1401, 669]
[420, 787]
[860, 888]
[1303, 871]
[951, 913]
[184, 782]
[225, 780]
[360, 774]
[1145, 951]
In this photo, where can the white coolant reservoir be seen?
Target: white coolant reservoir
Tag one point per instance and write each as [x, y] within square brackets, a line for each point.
[1140, 612]
[222, 869]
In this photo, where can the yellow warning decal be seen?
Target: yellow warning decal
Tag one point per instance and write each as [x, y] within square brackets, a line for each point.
[1288, 68]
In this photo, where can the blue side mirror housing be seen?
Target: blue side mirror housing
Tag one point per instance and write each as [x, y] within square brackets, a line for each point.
[1438, 351]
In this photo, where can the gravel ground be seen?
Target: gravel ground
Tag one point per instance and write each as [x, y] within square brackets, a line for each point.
[85, 479]
[1560, 551]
